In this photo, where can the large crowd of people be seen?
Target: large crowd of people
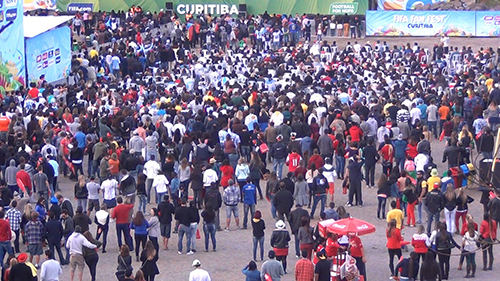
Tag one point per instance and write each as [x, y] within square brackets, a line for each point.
[165, 118]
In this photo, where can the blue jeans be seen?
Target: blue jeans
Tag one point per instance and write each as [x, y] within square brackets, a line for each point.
[149, 183]
[123, 227]
[381, 206]
[273, 208]
[193, 228]
[401, 163]
[433, 128]
[247, 208]
[259, 241]
[57, 247]
[430, 218]
[297, 244]
[159, 196]
[209, 230]
[278, 166]
[245, 152]
[184, 230]
[316, 199]
[5, 247]
[340, 167]
[487, 155]
[142, 202]
[419, 212]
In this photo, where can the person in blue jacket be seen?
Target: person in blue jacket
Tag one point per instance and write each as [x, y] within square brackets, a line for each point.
[251, 272]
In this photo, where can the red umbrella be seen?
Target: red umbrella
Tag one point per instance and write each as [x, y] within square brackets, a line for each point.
[351, 226]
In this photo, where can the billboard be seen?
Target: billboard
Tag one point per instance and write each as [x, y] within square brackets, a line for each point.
[39, 4]
[400, 5]
[488, 23]
[420, 23]
[49, 54]
[12, 69]
[287, 7]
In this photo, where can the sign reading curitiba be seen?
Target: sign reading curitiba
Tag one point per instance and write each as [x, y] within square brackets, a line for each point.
[213, 9]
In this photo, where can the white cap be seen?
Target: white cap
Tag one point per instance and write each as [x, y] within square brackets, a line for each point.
[196, 263]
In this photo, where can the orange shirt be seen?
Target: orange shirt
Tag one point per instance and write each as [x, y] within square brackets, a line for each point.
[114, 166]
[443, 112]
[4, 124]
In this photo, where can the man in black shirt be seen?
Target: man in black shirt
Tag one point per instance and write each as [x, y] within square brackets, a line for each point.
[183, 216]
[166, 210]
[323, 267]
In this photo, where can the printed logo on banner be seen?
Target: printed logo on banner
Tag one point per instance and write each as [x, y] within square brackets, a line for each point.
[51, 53]
[44, 56]
[39, 67]
[343, 8]
[79, 7]
[1, 4]
[10, 3]
[491, 20]
[58, 59]
[45, 64]
[10, 15]
[57, 52]
[51, 62]
[1, 15]
[38, 58]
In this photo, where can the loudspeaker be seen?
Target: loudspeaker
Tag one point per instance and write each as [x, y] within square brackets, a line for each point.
[169, 6]
[486, 175]
[242, 8]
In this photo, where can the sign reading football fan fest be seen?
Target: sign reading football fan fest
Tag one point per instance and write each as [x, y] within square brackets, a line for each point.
[213, 9]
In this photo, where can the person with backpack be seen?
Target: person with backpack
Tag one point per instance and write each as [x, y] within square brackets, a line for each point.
[319, 188]
[214, 198]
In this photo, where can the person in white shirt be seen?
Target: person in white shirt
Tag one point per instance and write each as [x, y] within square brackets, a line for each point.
[210, 176]
[151, 169]
[160, 184]
[109, 191]
[51, 269]
[415, 114]
[199, 274]
[75, 243]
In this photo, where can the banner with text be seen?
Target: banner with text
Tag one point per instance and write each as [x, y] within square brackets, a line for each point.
[488, 23]
[399, 5]
[420, 23]
[12, 69]
[217, 7]
[49, 54]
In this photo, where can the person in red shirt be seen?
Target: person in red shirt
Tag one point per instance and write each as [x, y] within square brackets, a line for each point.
[488, 231]
[4, 126]
[24, 180]
[411, 149]
[304, 268]
[121, 214]
[227, 173]
[393, 245]
[33, 92]
[387, 154]
[332, 245]
[358, 253]
[355, 132]
[5, 237]
[293, 160]
[316, 159]
[420, 241]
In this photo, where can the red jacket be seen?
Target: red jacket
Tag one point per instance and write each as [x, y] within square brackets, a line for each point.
[394, 242]
[317, 160]
[5, 234]
[418, 241]
[227, 174]
[356, 133]
[25, 178]
[332, 247]
[488, 232]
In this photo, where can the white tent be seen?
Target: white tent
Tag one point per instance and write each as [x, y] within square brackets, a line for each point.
[34, 26]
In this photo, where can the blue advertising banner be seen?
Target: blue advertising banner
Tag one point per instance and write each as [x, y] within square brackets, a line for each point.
[420, 23]
[49, 54]
[12, 72]
[488, 23]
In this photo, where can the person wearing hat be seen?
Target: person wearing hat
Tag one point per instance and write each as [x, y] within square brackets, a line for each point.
[323, 266]
[199, 274]
[279, 241]
[21, 271]
[75, 243]
[279, 154]
[434, 201]
[272, 268]
[433, 179]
